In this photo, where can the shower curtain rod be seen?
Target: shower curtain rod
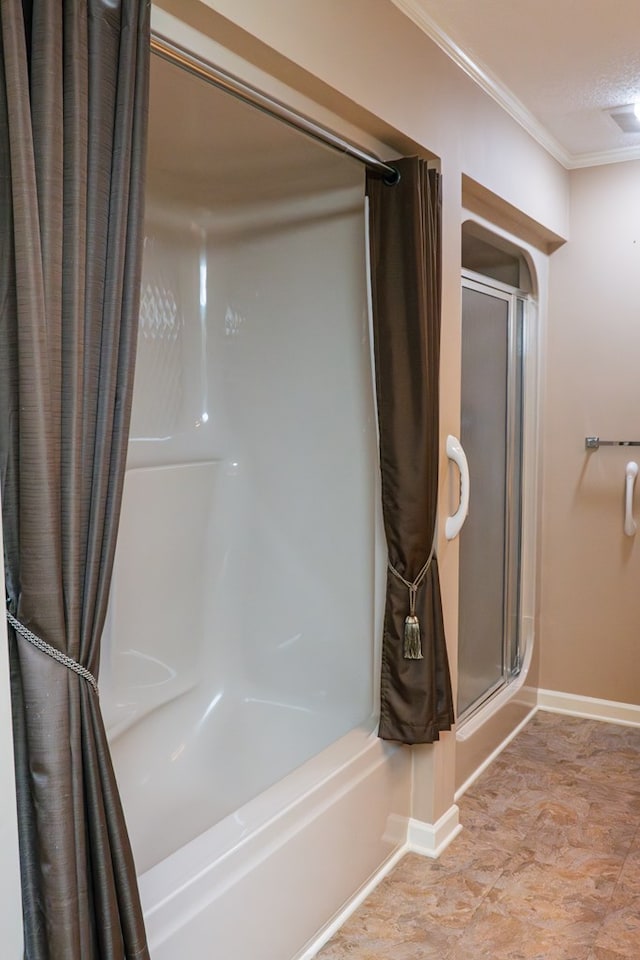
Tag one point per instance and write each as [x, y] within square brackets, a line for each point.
[243, 91]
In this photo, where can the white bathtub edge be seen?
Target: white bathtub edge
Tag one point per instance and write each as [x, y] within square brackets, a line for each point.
[431, 839]
[191, 864]
[589, 708]
[267, 875]
[325, 935]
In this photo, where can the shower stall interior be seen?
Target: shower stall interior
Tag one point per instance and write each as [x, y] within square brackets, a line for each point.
[241, 638]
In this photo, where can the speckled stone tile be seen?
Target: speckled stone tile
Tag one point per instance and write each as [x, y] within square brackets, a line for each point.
[500, 935]
[547, 867]
[620, 933]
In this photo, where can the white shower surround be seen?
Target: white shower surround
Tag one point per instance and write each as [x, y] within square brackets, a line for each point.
[238, 677]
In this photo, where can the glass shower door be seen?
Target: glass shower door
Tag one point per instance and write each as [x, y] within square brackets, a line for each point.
[490, 540]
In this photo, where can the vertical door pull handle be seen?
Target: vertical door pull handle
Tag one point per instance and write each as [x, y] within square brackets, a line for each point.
[630, 525]
[453, 525]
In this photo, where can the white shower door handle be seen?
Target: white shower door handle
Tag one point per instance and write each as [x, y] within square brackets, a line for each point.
[631, 473]
[453, 525]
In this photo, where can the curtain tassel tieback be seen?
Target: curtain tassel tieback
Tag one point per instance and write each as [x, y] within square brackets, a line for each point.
[62, 658]
[412, 649]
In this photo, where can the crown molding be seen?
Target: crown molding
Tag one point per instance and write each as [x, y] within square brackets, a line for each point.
[604, 156]
[481, 75]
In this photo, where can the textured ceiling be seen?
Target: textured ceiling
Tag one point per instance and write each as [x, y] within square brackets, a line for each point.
[556, 65]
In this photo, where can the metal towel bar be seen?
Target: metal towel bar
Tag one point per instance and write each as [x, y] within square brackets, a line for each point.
[593, 443]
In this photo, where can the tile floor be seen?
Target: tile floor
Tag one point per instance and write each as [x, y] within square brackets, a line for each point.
[547, 867]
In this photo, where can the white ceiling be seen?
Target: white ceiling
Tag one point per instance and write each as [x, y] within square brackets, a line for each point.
[555, 65]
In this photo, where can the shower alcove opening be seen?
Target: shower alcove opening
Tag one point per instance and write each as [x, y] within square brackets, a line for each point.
[238, 675]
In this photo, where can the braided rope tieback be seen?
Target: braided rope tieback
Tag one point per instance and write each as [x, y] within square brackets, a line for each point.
[45, 647]
[412, 647]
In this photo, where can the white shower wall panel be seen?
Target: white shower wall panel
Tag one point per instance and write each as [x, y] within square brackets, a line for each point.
[291, 353]
[243, 620]
[171, 364]
[166, 569]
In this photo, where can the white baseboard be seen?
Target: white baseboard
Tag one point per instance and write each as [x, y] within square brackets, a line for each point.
[430, 839]
[591, 708]
[495, 753]
[325, 935]
[427, 839]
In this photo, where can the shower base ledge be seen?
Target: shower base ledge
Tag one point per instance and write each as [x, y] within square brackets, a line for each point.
[308, 845]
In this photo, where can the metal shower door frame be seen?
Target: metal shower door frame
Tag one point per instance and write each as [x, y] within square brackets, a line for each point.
[517, 301]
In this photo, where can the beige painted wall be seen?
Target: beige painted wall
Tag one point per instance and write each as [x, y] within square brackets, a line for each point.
[367, 61]
[364, 69]
[590, 600]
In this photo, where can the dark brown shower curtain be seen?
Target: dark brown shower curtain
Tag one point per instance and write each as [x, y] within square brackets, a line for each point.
[73, 109]
[405, 246]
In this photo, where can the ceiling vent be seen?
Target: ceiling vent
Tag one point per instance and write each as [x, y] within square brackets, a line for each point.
[626, 118]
